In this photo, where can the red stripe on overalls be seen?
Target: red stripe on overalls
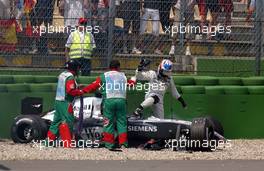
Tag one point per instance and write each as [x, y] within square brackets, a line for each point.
[109, 138]
[51, 136]
[122, 138]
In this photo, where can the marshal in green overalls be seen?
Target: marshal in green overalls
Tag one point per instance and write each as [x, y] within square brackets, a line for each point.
[114, 107]
[62, 104]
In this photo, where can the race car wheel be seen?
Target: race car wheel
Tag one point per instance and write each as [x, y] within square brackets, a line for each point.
[217, 126]
[43, 127]
[26, 128]
[201, 134]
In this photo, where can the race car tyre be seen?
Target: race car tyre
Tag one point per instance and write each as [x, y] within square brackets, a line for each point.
[43, 127]
[201, 134]
[26, 128]
[217, 126]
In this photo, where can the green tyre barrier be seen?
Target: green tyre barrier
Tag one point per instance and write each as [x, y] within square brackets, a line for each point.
[46, 79]
[193, 90]
[256, 90]
[206, 81]
[6, 79]
[24, 79]
[253, 81]
[3, 88]
[181, 80]
[41, 88]
[214, 90]
[230, 81]
[18, 88]
[86, 80]
[239, 90]
[53, 86]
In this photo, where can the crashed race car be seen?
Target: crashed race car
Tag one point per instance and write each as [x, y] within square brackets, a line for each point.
[167, 133]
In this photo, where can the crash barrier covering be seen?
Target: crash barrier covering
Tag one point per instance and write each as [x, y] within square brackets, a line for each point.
[210, 90]
[34, 35]
[179, 80]
[236, 102]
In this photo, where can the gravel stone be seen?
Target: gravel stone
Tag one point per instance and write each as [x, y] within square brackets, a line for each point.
[240, 149]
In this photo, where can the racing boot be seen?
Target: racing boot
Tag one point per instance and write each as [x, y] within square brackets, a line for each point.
[50, 140]
[137, 113]
[65, 134]
[51, 136]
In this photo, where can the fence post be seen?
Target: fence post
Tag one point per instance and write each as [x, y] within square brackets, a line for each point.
[258, 36]
[182, 10]
[12, 9]
[111, 18]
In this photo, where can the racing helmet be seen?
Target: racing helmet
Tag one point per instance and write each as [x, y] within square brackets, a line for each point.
[73, 65]
[165, 68]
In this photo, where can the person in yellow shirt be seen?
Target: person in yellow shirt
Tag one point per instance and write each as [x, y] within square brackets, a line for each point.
[80, 45]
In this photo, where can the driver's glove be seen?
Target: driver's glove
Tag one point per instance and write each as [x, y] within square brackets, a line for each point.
[137, 114]
[143, 64]
[184, 105]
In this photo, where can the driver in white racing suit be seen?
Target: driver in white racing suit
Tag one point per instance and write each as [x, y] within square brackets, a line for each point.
[159, 82]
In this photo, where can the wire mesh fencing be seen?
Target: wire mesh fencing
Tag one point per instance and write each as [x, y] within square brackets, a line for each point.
[204, 37]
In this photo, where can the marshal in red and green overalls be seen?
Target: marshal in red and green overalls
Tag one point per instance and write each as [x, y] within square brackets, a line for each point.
[63, 119]
[112, 85]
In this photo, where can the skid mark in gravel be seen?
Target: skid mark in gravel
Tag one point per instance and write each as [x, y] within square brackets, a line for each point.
[240, 149]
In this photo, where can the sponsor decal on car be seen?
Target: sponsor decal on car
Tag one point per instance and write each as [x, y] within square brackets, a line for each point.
[142, 128]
